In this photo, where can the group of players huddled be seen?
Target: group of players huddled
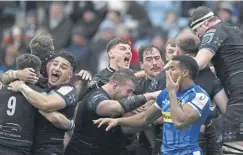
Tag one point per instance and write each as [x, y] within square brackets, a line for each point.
[188, 104]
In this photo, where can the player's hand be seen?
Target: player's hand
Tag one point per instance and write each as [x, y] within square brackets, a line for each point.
[15, 86]
[170, 84]
[84, 75]
[106, 121]
[27, 75]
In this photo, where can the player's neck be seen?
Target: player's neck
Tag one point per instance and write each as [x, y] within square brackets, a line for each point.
[113, 65]
[107, 87]
[185, 84]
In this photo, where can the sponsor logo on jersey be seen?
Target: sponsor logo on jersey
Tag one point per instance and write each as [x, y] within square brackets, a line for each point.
[200, 100]
[64, 90]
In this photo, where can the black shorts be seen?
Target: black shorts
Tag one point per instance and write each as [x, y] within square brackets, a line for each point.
[84, 148]
[12, 151]
[210, 141]
[233, 123]
[49, 150]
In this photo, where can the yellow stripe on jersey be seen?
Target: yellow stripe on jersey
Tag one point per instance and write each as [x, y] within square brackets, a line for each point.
[167, 117]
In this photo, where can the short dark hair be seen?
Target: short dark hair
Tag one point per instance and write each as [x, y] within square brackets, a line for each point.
[188, 63]
[199, 13]
[41, 44]
[122, 75]
[171, 42]
[188, 42]
[69, 57]
[142, 49]
[115, 41]
[28, 60]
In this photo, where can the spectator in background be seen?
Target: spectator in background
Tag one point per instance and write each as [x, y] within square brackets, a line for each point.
[18, 40]
[59, 27]
[225, 12]
[9, 56]
[30, 28]
[97, 56]
[171, 24]
[159, 41]
[78, 47]
[31, 24]
[90, 22]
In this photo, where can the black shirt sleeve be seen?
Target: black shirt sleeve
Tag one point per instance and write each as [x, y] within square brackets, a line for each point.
[68, 94]
[213, 39]
[95, 100]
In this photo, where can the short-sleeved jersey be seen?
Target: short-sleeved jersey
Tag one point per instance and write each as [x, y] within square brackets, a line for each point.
[205, 79]
[225, 42]
[17, 121]
[158, 83]
[47, 133]
[142, 86]
[103, 76]
[183, 141]
[87, 133]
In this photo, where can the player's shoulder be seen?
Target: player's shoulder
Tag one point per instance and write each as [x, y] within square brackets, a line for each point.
[65, 89]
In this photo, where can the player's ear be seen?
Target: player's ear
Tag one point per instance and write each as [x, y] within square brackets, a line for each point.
[70, 75]
[185, 74]
[114, 85]
[110, 54]
[141, 65]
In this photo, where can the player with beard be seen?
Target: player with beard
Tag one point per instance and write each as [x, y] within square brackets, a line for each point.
[119, 53]
[101, 102]
[151, 62]
[17, 115]
[183, 104]
[62, 97]
[222, 43]
[158, 84]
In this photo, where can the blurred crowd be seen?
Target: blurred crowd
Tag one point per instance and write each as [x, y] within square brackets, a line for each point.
[85, 27]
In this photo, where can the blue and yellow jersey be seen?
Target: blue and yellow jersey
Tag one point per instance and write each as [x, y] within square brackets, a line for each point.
[183, 141]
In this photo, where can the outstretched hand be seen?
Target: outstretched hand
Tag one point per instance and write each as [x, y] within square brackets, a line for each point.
[106, 121]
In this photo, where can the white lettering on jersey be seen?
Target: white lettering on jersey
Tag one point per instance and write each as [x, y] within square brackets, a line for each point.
[65, 90]
[200, 100]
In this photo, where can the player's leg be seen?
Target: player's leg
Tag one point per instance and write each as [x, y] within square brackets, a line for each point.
[212, 139]
[233, 127]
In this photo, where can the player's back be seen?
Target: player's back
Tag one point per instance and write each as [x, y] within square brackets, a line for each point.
[17, 121]
[184, 141]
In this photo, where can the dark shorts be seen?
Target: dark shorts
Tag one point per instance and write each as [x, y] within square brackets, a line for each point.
[210, 141]
[157, 147]
[144, 147]
[49, 150]
[84, 148]
[12, 151]
[232, 129]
